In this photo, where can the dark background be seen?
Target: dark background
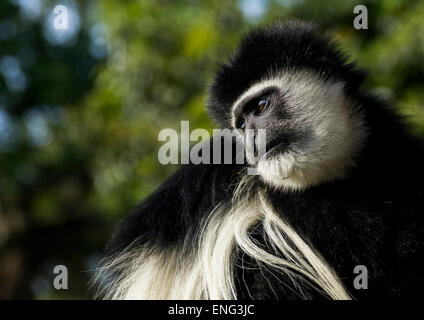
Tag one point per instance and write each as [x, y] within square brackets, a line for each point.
[81, 109]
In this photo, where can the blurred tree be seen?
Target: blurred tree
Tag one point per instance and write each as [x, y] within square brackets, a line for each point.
[80, 110]
[44, 179]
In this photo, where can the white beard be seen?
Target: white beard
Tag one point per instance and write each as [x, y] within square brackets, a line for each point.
[149, 272]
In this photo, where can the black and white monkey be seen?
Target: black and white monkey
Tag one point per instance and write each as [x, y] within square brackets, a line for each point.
[341, 186]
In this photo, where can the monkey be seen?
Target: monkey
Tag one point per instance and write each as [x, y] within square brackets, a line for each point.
[340, 186]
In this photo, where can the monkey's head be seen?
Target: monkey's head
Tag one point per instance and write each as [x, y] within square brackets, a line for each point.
[291, 80]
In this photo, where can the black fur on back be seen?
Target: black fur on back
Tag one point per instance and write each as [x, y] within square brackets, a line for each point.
[175, 210]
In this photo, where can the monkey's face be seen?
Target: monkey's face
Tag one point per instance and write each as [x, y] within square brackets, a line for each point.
[292, 81]
[312, 129]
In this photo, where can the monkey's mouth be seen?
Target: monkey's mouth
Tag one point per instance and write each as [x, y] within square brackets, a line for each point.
[273, 148]
[285, 142]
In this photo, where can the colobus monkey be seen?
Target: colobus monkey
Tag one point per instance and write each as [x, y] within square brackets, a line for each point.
[341, 185]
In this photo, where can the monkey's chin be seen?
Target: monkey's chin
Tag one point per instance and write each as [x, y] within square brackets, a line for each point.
[279, 172]
[283, 172]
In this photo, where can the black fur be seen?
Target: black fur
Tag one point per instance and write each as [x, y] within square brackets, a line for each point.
[374, 217]
[272, 49]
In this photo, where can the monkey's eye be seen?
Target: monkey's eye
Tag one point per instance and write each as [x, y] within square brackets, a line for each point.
[263, 104]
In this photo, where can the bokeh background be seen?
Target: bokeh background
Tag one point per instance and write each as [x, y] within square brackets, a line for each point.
[80, 109]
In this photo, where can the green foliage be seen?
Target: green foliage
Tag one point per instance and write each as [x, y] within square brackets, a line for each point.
[78, 141]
